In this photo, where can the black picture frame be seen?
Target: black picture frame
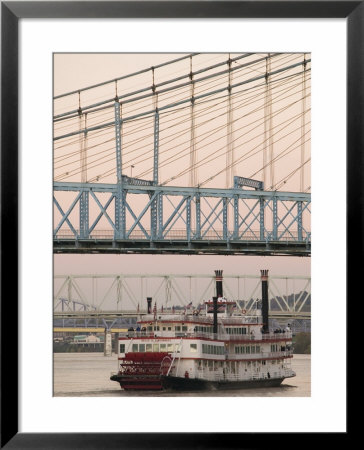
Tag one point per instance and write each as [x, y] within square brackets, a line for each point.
[11, 13]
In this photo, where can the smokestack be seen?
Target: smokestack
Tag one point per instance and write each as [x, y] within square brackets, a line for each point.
[149, 300]
[265, 305]
[218, 274]
[214, 299]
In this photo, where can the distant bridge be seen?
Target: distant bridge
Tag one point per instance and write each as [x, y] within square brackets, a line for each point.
[112, 301]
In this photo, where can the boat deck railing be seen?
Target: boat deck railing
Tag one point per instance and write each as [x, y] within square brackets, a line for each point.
[274, 335]
[261, 355]
[249, 318]
[212, 336]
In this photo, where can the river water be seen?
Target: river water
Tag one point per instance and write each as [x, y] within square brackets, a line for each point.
[88, 375]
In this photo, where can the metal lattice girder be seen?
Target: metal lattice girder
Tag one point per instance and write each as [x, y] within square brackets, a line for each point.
[156, 148]
[118, 142]
[288, 296]
[252, 217]
[161, 213]
[84, 215]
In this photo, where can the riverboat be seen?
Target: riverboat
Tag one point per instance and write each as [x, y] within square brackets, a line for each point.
[215, 346]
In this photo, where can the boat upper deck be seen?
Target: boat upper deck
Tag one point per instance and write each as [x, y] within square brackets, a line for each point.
[157, 332]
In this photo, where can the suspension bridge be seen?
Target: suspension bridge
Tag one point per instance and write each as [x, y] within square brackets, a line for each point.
[203, 153]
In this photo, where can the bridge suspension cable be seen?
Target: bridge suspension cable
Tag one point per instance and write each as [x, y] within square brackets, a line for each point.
[254, 92]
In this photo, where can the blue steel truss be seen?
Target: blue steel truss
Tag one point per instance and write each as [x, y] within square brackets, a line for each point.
[179, 219]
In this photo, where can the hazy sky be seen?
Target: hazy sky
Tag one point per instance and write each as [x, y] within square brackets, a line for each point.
[182, 264]
[74, 71]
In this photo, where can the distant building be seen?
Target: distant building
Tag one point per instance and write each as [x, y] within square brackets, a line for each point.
[83, 339]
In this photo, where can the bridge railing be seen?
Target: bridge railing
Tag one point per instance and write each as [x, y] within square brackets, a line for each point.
[178, 235]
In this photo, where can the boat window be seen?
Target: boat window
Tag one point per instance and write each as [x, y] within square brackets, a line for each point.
[135, 348]
[142, 347]
[193, 348]
[247, 350]
[122, 348]
[253, 349]
[169, 328]
[150, 328]
[244, 330]
[237, 349]
[155, 347]
[170, 347]
[149, 347]
[164, 328]
[184, 328]
[258, 348]
[178, 328]
[156, 328]
[163, 347]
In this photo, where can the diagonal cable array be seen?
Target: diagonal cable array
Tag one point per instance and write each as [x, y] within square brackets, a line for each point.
[218, 116]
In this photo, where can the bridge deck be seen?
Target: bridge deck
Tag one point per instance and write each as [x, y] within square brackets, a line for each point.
[221, 247]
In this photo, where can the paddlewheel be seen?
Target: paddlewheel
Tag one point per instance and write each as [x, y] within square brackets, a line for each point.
[143, 370]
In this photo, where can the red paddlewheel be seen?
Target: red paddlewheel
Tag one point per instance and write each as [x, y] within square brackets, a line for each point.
[145, 364]
[145, 357]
